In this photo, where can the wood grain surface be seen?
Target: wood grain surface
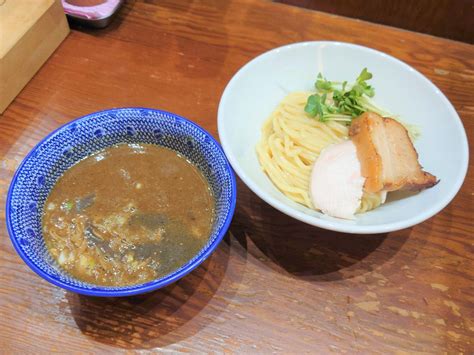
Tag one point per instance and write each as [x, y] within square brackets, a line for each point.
[452, 19]
[274, 285]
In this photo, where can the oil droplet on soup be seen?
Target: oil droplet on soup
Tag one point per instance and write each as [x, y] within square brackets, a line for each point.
[128, 214]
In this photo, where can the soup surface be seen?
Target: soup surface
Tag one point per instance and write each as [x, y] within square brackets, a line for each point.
[128, 214]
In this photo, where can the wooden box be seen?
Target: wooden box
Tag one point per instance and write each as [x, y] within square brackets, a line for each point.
[30, 31]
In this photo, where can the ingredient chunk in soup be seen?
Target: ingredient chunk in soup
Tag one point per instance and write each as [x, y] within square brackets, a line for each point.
[128, 214]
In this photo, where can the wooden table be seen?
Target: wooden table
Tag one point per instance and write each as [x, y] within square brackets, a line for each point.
[274, 284]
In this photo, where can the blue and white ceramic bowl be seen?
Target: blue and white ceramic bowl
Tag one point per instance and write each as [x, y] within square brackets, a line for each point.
[74, 141]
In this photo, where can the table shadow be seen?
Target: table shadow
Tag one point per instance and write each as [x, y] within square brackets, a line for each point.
[158, 318]
[305, 251]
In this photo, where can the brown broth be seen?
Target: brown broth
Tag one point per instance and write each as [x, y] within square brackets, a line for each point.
[128, 214]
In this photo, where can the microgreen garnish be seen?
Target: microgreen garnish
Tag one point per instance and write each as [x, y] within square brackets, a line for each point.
[335, 101]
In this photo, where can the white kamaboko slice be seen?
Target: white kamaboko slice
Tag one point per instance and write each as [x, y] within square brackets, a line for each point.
[336, 185]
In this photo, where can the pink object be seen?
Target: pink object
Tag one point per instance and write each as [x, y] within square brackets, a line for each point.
[96, 15]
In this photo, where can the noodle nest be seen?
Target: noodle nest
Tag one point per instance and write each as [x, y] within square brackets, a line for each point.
[290, 144]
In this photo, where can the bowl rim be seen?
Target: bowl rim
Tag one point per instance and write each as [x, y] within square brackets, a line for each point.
[332, 223]
[141, 288]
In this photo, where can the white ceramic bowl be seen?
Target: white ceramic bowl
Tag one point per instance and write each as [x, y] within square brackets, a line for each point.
[256, 89]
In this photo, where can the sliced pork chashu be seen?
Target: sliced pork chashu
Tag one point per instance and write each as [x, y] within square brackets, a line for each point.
[388, 158]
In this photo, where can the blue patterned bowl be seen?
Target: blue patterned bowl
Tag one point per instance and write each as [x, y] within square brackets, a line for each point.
[74, 141]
